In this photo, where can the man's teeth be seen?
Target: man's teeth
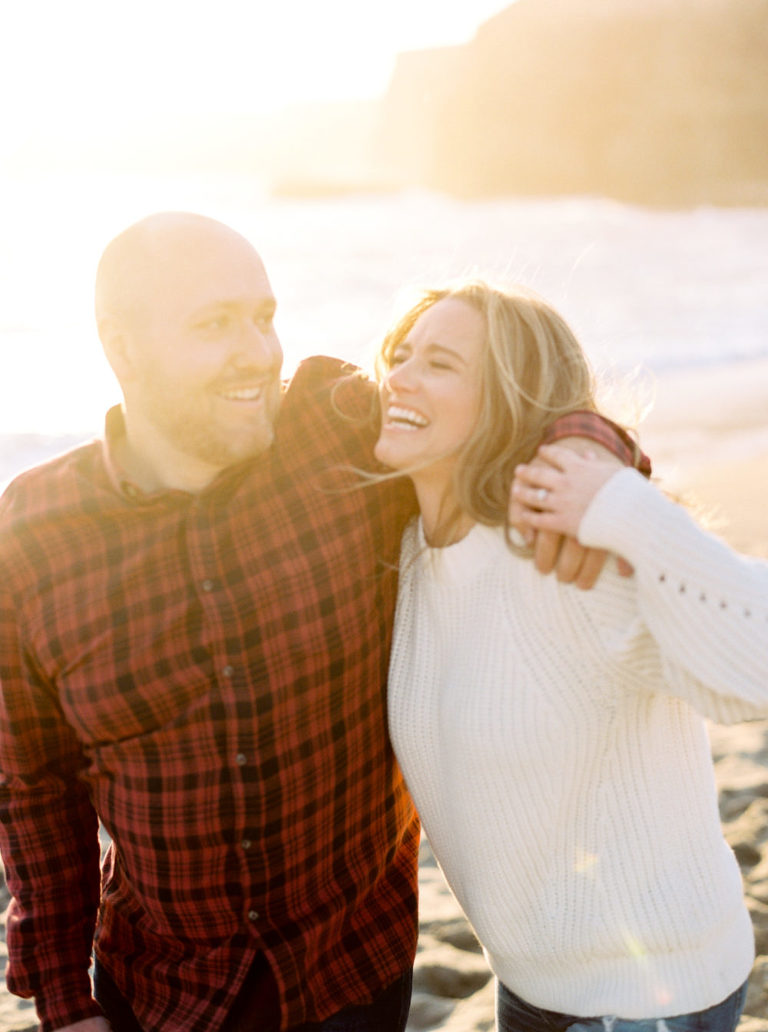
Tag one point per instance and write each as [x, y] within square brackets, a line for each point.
[242, 393]
[405, 416]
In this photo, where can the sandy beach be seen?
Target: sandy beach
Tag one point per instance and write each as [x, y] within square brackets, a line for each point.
[708, 436]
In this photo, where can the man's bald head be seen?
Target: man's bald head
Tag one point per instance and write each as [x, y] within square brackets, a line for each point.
[136, 264]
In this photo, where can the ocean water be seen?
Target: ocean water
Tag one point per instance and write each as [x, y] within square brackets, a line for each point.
[645, 289]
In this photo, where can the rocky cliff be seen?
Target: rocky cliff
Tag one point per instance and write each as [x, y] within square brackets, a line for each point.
[653, 101]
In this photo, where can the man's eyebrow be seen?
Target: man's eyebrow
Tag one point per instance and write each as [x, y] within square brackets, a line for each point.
[268, 305]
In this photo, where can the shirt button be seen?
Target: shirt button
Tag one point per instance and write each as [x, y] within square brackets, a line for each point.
[227, 671]
[241, 759]
[246, 843]
[253, 915]
[207, 585]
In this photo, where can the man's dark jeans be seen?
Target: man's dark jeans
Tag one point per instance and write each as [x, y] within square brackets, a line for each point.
[259, 1012]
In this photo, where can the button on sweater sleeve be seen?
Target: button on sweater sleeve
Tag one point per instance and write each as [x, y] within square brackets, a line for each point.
[705, 605]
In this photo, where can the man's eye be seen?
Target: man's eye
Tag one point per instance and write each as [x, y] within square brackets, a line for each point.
[213, 325]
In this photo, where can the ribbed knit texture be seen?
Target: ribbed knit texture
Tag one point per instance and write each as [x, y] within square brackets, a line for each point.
[562, 773]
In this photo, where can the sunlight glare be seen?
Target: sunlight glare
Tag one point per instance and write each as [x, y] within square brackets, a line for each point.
[88, 63]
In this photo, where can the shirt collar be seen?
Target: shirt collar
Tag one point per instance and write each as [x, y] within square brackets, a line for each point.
[114, 433]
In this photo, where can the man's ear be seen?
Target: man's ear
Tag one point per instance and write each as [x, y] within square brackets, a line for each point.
[116, 342]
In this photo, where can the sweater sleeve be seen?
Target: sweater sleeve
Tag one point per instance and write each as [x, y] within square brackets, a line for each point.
[704, 605]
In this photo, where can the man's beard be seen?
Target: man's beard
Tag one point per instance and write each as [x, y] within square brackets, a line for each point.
[193, 432]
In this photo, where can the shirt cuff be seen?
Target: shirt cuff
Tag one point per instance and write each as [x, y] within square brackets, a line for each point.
[65, 1004]
[610, 435]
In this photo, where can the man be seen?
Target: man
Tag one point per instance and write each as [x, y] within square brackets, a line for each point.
[195, 616]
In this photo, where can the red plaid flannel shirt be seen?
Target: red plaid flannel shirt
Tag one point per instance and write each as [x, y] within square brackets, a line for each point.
[612, 436]
[207, 674]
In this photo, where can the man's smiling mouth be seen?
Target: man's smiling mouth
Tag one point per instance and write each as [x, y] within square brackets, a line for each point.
[243, 393]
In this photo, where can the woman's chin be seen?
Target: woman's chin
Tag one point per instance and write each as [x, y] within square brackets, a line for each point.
[387, 455]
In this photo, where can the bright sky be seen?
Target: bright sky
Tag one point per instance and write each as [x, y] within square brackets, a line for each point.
[81, 77]
[84, 63]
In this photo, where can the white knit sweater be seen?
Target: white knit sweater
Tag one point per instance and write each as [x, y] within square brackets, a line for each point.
[551, 742]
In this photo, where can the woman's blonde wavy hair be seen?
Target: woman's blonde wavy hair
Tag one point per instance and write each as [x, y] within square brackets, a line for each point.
[533, 371]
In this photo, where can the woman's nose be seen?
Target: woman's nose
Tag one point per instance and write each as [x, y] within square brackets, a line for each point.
[401, 376]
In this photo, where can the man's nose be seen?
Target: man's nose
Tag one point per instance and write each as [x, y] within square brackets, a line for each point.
[257, 345]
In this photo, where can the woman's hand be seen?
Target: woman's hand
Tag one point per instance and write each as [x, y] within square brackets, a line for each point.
[555, 494]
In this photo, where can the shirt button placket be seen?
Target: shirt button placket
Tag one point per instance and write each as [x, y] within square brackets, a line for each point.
[227, 671]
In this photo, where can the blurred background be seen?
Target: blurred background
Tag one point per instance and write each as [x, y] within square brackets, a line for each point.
[613, 155]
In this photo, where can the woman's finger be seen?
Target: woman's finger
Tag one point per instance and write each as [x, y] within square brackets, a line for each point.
[539, 498]
[537, 476]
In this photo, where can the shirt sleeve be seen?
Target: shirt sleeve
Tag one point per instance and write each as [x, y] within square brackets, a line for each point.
[603, 431]
[48, 839]
[704, 605]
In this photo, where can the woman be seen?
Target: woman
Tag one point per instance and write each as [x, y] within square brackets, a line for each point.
[553, 739]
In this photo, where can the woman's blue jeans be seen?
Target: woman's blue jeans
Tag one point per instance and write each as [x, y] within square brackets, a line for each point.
[515, 1015]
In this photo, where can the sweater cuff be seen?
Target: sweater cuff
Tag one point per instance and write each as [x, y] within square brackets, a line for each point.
[611, 520]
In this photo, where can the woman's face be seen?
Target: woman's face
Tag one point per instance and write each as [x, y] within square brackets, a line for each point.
[431, 395]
